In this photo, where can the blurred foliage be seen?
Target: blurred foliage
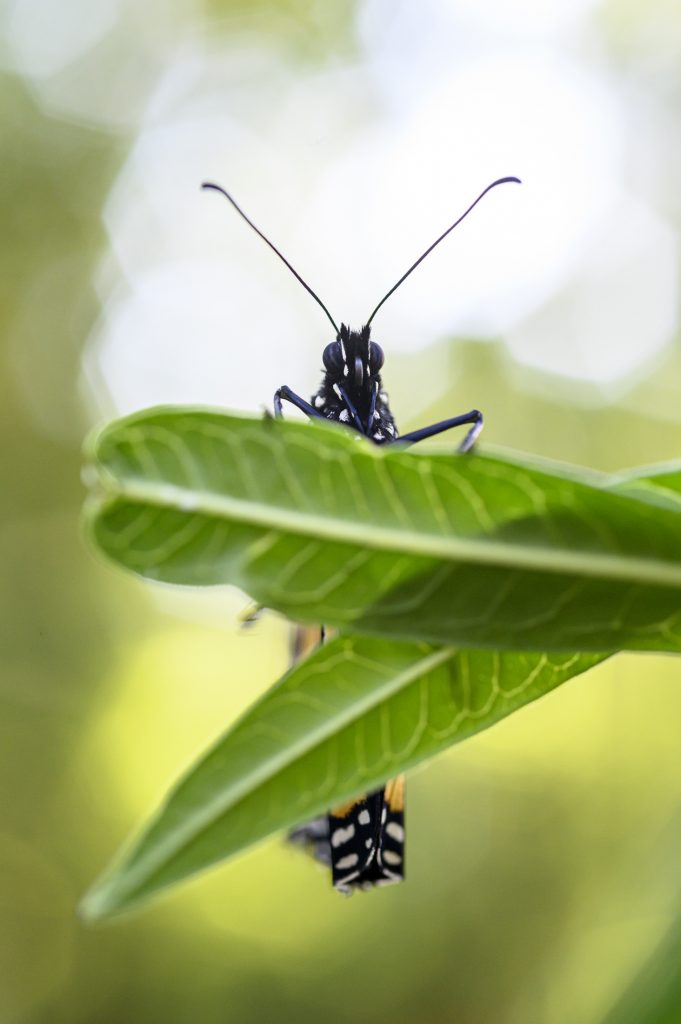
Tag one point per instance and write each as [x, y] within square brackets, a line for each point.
[314, 31]
[655, 995]
[544, 855]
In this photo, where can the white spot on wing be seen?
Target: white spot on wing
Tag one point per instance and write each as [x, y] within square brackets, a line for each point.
[364, 818]
[395, 831]
[342, 835]
[343, 884]
[344, 416]
[319, 401]
[390, 857]
[347, 862]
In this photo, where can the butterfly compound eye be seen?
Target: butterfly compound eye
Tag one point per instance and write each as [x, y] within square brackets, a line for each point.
[376, 357]
[333, 357]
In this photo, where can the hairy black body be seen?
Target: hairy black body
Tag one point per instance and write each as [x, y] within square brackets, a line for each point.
[351, 390]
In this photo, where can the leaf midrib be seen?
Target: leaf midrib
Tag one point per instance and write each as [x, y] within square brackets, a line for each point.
[397, 539]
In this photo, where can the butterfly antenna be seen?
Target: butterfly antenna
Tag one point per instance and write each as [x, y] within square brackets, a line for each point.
[499, 181]
[218, 188]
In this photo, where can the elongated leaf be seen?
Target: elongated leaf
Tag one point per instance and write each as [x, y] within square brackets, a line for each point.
[357, 711]
[319, 524]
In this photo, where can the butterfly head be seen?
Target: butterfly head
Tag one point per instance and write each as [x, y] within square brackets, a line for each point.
[353, 361]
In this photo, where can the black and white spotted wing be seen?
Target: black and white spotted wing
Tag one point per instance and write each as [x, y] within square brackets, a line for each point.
[362, 841]
[366, 838]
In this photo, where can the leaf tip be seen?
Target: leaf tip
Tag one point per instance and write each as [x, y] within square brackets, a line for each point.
[92, 907]
[100, 902]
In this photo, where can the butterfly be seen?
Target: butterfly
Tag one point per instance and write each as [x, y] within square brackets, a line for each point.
[362, 840]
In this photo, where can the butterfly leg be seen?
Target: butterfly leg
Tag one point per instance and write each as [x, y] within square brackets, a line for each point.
[473, 417]
[250, 615]
[285, 393]
[351, 409]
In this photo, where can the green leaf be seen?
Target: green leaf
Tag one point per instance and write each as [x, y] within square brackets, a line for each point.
[654, 994]
[316, 522]
[359, 710]
[658, 485]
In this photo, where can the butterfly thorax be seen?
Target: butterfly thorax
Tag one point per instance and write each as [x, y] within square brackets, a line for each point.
[351, 390]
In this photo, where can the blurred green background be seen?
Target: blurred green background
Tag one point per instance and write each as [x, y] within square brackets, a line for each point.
[545, 855]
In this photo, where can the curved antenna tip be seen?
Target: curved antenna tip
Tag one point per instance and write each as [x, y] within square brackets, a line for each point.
[499, 181]
[225, 193]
